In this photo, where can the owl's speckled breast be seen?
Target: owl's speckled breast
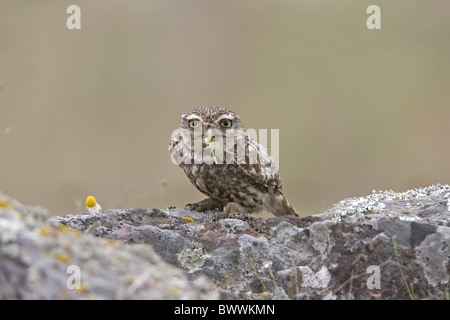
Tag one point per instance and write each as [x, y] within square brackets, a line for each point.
[227, 183]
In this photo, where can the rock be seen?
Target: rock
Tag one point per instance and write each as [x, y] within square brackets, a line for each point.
[42, 260]
[383, 246]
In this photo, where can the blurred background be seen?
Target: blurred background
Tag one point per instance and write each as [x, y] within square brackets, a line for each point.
[91, 111]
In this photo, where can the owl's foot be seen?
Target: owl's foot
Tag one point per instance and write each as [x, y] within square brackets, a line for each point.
[234, 208]
[206, 204]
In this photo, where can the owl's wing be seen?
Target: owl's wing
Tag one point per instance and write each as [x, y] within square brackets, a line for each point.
[256, 162]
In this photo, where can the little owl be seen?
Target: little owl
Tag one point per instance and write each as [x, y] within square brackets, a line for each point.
[225, 163]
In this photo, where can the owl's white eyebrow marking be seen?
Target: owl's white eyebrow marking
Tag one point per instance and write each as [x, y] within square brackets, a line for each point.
[225, 116]
[192, 116]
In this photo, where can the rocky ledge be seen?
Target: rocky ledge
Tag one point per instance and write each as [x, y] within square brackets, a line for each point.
[386, 245]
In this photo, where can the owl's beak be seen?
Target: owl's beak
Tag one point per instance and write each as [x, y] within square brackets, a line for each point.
[209, 136]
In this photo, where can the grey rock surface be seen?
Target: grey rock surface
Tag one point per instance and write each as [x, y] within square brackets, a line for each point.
[346, 252]
[327, 256]
[47, 260]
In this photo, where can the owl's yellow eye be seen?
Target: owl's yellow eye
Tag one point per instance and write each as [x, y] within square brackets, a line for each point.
[194, 123]
[226, 123]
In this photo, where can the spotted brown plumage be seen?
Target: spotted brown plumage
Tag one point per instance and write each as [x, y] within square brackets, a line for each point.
[226, 164]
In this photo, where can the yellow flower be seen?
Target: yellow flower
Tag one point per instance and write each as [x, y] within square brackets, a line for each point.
[92, 206]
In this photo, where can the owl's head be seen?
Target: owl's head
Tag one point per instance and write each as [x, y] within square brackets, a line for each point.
[215, 118]
[209, 135]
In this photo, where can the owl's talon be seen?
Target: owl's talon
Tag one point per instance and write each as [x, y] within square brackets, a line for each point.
[191, 206]
[204, 205]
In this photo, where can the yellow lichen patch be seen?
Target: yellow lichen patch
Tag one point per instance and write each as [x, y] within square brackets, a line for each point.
[81, 288]
[64, 229]
[63, 258]
[188, 219]
[5, 204]
[44, 232]
[403, 196]
[175, 292]
[130, 278]
[114, 243]
[20, 214]
[67, 230]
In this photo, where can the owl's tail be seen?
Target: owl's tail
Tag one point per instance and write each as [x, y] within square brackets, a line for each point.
[279, 205]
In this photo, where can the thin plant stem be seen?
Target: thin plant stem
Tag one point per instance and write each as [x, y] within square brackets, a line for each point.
[410, 289]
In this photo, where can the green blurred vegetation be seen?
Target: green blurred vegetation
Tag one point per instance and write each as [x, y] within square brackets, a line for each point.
[91, 111]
